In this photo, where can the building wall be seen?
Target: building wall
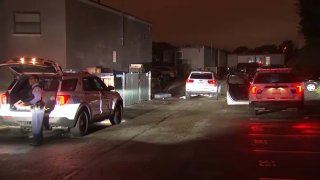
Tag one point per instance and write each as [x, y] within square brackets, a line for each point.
[274, 58]
[209, 57]
[232, 60]
[223, 58]
[169, 57]
[101, 36]
[77, 34]
[50, 44]
[137, 42]
[1, 30]
[193, 55]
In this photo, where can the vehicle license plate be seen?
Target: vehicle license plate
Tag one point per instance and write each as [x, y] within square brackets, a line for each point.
[276, 91]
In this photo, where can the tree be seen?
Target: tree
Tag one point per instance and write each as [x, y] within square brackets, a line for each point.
[157, 51]
[241, 50]
[308, 59]
[289, 49]
[267, 49]
[309, 11]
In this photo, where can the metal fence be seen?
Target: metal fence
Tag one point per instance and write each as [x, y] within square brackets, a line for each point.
[133, 87]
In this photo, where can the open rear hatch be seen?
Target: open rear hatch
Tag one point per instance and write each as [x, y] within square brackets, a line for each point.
[32, 66]
[48, 71]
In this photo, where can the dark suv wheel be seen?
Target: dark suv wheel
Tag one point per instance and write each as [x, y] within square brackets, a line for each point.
[117, 115]
[82, 124]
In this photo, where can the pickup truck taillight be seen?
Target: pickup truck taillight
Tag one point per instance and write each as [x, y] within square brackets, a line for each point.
[4, 98]
[62, 99]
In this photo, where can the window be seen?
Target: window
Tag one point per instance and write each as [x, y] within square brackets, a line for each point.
[275, 78]
[27, 23]
[201, 76]
[50, 84]
[93, 84]
[69, 84]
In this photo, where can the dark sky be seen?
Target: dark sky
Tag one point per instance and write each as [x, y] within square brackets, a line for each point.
[226, 23]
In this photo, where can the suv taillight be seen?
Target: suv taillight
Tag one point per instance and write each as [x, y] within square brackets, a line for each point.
[299, 89]
[190, 81]
[212, 81]
[62, 99]
[4, 98]
[253, 89]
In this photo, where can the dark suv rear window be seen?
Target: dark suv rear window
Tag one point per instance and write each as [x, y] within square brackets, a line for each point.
[263, 78]
[201, 76]
[69, 84]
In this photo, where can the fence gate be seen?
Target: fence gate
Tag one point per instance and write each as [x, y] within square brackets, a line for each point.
[133, 87]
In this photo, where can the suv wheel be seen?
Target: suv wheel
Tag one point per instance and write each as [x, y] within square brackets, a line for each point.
[82, 125]
[117, 115]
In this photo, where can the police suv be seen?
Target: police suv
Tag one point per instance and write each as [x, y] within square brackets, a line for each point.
[275, 88]
[72, 100]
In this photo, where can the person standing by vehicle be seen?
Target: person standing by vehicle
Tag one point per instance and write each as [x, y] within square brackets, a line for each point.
[37, 110]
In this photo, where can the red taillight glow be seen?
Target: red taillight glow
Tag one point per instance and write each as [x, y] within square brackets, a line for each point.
[302, 126]
[62, 99]
[190, 81]
[253, 89]
[212, 81]
[299, 89]
[4, 98]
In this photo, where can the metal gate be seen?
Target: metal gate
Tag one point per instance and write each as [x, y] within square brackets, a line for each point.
[133, 87]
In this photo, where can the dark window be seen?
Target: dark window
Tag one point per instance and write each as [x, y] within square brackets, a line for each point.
[50, 84]
[275, 78]
[27, 23]
[247, 67]
[93, 84]
[201, 76]
[69, 84]
[87, 84]
[99, 84]
[237, 79]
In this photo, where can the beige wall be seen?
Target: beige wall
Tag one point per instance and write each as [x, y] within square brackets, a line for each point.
[50, 44]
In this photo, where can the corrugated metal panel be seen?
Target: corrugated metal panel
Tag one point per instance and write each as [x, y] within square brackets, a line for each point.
[133, 87]
[144, 86]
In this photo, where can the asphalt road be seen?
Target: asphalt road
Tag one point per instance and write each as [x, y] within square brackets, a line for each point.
[201, 138]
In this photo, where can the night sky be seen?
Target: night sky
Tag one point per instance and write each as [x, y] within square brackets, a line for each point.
[224, 23]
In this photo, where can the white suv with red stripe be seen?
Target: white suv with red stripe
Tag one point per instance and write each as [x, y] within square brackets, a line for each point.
[201, 83]
[72, 100]
[275, 89]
